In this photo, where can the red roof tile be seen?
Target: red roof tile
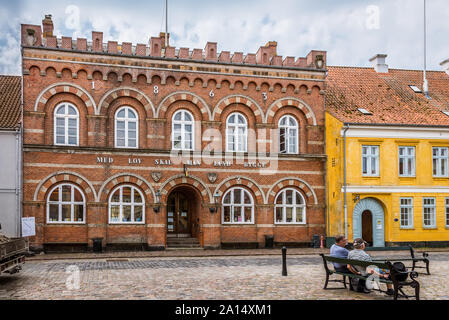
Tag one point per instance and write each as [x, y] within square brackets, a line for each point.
[387, 96]
[10, 101]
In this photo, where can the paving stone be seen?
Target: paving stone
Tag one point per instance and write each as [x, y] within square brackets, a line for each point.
[197, 278]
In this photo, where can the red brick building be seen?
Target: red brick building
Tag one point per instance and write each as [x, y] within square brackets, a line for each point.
[137, 144]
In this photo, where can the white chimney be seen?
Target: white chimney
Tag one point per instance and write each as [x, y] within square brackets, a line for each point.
[445, 66]
[378, 62]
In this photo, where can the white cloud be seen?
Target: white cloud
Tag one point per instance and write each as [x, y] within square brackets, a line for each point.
[298, 27]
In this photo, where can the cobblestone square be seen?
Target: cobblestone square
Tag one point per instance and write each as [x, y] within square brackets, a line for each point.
[196, 278]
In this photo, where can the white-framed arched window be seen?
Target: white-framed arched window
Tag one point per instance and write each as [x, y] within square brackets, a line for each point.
[66, 204]
[126, 205]
[290, 207]
[182, 130]
[288, 135]
[236, 133]
[237, 207]
[66, 125]
[126, 128]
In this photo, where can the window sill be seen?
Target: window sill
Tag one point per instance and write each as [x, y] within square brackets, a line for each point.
[430, 228]
[66, 145]
[126, 223]
[236, 223]
[441, 178]
[290, 223]
[65, 222]
[406, 228]
[371, 177]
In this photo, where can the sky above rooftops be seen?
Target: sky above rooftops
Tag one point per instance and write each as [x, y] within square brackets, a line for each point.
[350, 31]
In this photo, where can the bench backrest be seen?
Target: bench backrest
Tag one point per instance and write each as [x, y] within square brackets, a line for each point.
[364, 264]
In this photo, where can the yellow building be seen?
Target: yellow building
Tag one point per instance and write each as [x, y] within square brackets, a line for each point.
[387, 146]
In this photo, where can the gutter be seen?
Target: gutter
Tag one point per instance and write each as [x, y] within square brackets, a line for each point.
[344, 180]
[326, 179]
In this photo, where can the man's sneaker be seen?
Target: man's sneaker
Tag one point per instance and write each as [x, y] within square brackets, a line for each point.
[390, 292]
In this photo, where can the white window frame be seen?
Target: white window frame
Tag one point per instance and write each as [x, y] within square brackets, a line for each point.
[446, 207]
[284, 207]
[127, 120]
[239, 205]
[66, 118]
[72, 202]
[183, 124]
[288, 135]
[236, 133]
[439, 159]
[408, 172]
[434, 209]
[121, 204]
[409, 208]
[369, 160]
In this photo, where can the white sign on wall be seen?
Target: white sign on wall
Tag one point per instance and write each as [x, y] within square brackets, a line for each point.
[28, 227]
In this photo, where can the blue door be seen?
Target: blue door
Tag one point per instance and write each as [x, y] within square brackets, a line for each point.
[378, 220]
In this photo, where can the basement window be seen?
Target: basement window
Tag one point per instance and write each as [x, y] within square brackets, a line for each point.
[364, 111]
[415, 88]
[446, 113]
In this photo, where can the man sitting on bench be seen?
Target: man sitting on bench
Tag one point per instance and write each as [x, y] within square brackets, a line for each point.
[359, 254]
[338, 250]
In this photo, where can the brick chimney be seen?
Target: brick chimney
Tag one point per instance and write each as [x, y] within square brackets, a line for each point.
[378, 62]
[47, 26]
[265, 53]
[162, 36]
[445, 66]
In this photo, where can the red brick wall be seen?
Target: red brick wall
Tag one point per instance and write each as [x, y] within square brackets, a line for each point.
[45, 165]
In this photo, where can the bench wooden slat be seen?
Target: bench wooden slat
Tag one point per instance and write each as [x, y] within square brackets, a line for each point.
[356, 262]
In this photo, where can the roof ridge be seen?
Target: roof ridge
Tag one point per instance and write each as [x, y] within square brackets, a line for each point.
[396, 69]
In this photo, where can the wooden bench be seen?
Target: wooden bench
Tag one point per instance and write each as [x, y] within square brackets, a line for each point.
[412, 258]
[387, 265]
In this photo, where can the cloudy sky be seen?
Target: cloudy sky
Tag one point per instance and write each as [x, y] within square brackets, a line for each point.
[351, 31]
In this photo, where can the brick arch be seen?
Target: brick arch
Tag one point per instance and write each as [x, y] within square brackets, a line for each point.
[283, 183]
[122, 178]
[62, 87]
[228, 100]
[113, 94]
[65, 176]
[242, 181]
[291, 101]
[182, 179]
[183, 95]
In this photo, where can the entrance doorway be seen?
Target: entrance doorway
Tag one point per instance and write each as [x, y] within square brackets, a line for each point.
[178, 215]
[367, 227]
[368, 221]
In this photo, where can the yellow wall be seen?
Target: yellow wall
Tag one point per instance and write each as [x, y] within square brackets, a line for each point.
[388, 177]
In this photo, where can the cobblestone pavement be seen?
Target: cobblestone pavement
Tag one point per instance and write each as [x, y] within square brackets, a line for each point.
[196, 278]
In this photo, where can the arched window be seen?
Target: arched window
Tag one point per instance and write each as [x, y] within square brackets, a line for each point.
[238, 206]
[290, 207]
[126, 128]
[182, 130]
[288, 135]
[236, 133]
[66, 204]
[66, 124]
[126, 205]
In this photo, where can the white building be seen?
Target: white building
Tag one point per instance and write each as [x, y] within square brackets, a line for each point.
[10, 155]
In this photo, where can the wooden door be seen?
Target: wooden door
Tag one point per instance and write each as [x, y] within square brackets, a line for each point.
[367, 227]
[178, 214]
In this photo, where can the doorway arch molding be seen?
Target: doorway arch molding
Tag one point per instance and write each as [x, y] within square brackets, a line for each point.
[378, 220]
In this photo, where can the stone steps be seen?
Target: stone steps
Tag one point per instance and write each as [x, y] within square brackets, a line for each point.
[183, 243]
